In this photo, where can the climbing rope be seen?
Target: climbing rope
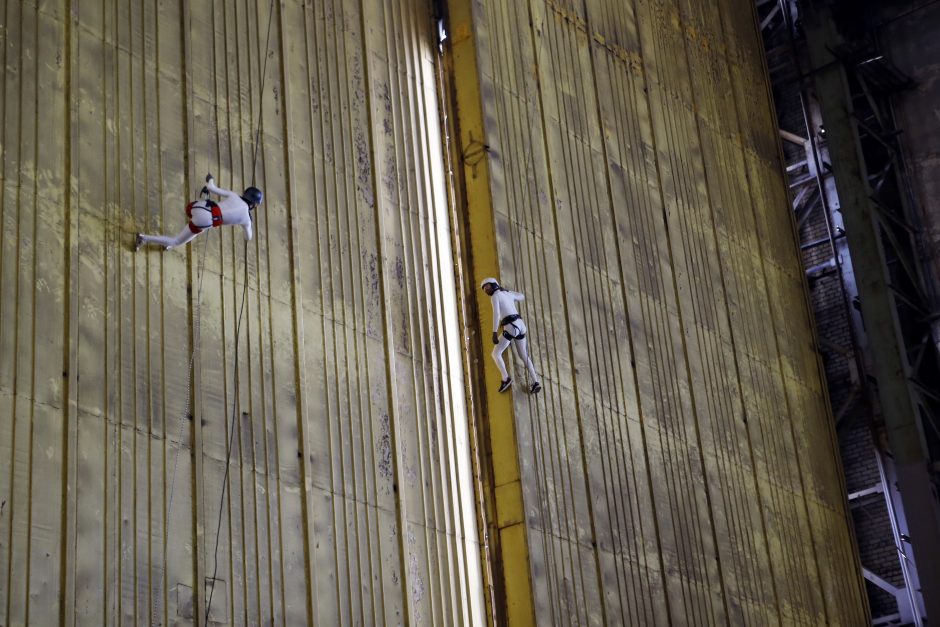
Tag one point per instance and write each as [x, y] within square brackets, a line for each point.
[231, 435]
[185, 414]
[231, 438]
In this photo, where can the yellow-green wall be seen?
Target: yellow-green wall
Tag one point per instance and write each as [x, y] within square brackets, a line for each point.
[349, 496]
[680, 466]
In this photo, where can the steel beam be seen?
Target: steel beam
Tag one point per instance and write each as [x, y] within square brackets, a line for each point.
[511, 572]
[899, 400]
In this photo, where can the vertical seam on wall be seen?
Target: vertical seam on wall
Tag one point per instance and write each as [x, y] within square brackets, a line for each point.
[230, 382]
[278, 599]
[567, 317]
[134, 396]
[448, 564]
[737, 367]
[820, 370]
[252, 367]
[69, 417]
[629, 127]
[499, 94]
[389, 353]
[324, 285]
[338, 318]
[550, 544]
[413, 236]
[262, 533]
[197, 512]
[611, 362]
[299, 338]
[3, 211]
[555, 461]
[563, 62]
[710, 204]
[153, 575]
[32, 319]
[248, 458]
[264, 562]
[782, 390]
[326, 111]
[695, 120]
[497, 21]
[776, 341]
[634, 129]
[727, 399]
[368, 114]
[352, 203]
[808, 319]
[114, 296]
[350, 331]
[402, 197]
[678, 178]
[649, 218]
[613, 215]
[674, 284]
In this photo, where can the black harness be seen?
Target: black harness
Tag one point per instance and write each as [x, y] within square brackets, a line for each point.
[508, 322]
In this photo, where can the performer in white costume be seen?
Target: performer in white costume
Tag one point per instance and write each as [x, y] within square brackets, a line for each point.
[205, 213]
[506, 318]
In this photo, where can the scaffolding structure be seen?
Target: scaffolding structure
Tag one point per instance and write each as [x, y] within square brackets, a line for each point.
[847, 176]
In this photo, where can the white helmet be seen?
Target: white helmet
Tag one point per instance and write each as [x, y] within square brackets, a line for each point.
[488, 280]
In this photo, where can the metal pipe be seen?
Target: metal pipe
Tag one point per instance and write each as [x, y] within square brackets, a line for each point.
[896, 533]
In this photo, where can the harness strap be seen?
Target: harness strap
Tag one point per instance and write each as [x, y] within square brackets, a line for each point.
[509, 319]
[209, 205]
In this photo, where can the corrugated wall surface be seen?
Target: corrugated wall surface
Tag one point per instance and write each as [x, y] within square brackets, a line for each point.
[344, 501]
[680, 466]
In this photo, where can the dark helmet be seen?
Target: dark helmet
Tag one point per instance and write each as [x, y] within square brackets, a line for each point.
[253, 196]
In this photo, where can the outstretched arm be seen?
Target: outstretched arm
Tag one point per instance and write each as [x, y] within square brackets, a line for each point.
[517, 295]
[218, 191]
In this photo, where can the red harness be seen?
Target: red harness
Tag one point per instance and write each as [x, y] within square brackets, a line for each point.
[210, 206]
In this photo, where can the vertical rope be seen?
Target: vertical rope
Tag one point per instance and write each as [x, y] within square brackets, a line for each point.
[196, 340]
[264, 75]
[231, 436]
[184, 415]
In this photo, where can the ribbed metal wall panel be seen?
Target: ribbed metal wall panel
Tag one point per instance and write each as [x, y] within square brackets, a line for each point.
[680, 466]
[347, 498]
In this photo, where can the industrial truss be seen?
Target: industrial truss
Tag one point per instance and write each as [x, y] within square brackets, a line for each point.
[849, 165]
